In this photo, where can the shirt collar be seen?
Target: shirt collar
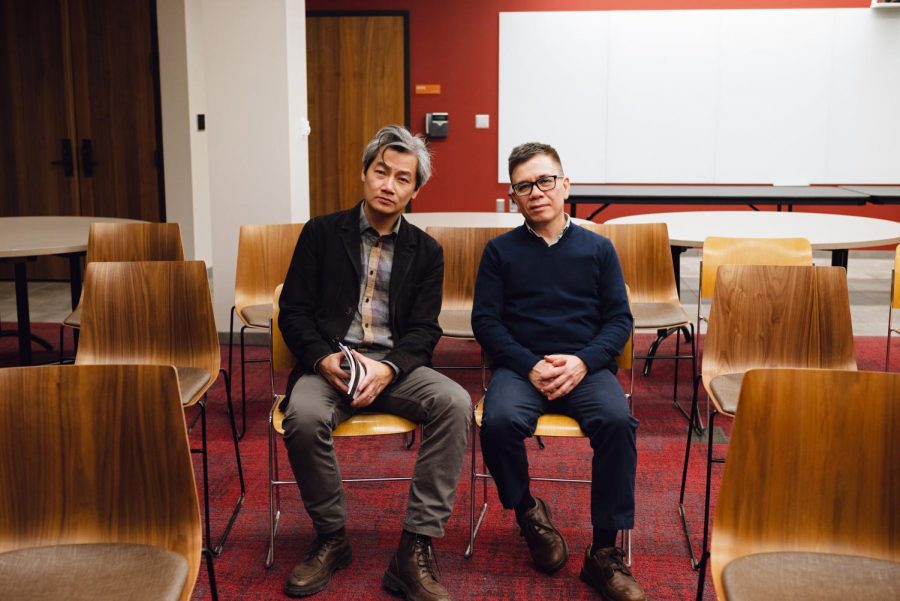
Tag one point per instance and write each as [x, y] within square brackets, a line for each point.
[558, 237]
[364, 224]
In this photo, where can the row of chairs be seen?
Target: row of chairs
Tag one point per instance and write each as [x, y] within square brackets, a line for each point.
[143, 304]
[196, 382]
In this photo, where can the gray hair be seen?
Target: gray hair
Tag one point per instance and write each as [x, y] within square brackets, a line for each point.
[525, 152]
[397, 137]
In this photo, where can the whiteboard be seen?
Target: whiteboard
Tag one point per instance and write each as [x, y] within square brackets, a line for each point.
[792, 96]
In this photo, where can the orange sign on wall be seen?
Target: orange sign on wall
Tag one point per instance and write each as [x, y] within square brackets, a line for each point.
[428, 88]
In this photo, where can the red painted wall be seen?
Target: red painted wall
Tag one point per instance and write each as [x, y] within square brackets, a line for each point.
[455, 43]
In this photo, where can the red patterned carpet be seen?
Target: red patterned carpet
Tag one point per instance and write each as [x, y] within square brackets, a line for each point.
[500, 568]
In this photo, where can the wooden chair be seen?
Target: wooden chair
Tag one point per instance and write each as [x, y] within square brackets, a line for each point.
[646, 259]
[263, 257]
[894, 304]
[365, 423]
[549, 424]
[96, 502]
[160, 313]
[718, 251]
[463, 247]
[808, 500]
[126, 242]
[766, 316]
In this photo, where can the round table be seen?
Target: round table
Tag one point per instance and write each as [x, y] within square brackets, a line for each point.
[468, 219]
[825, 231]
[23, 239]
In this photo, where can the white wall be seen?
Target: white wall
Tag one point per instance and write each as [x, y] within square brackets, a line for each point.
[783, 96]
[184, 148]
[243, 64]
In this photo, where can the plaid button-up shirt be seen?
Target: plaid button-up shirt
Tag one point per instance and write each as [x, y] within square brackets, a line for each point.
[370, 331]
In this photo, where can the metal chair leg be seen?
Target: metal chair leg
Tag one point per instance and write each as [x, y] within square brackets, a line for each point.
[213, 589]
[684, 471]
[217, 550]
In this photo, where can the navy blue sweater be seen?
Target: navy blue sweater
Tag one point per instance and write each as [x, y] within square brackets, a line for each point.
[533, 300]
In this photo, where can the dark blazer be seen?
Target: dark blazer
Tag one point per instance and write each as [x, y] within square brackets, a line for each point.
[321, 292]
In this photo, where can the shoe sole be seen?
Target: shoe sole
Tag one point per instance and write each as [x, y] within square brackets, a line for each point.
[586, 578]
[393, 584]
[305, 591]
[555, 568]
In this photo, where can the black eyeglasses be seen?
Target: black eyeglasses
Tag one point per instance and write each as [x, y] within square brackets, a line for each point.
[545, 183]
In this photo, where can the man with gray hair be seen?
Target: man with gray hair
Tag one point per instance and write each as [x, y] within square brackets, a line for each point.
[371, 281]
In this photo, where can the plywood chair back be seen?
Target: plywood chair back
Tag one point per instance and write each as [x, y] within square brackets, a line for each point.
[129, 242]
[812, 467]
[777, 316]
[134, 242]
[719, 251]
[264, 255]
[361, 424]
[894, 304]
[895, 280]
[78, 466]
[646, 259]
[463, 247]
[157, 313]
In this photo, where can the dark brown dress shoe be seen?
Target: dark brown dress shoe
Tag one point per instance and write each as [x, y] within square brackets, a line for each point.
[412, 570]
[326, 555]
[605, 570]
[546, 544]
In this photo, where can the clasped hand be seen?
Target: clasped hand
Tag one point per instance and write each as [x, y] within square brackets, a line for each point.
[378, 376]
[555, 376]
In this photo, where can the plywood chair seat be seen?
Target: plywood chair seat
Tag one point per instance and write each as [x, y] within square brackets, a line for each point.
[74, 318]
[725, 390]
[193, 382]
[804, 576]
[655, 316]
[85, 572]
[361, 424]
[456, 323]
[257, 316]
[549, 424]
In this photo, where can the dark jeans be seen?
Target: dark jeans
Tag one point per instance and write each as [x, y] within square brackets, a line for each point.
[511, 409]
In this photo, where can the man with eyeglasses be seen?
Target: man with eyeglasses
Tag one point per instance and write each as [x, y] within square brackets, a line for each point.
[367, 279]
[552, 312]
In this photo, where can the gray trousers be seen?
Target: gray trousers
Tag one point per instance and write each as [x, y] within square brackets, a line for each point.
[423, 396]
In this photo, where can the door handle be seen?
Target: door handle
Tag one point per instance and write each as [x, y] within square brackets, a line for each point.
[66, 158]
[87, 158]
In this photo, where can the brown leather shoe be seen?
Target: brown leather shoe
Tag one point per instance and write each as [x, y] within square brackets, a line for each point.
[605, 570]
[411, 571]
[546, 544]
[326, 555]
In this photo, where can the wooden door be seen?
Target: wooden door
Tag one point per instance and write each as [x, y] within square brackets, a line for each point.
[36, 125]
[78, 76]
[115, 107]
[357, 83]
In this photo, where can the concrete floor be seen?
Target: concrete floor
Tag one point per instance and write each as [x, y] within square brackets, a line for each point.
[869, 281]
